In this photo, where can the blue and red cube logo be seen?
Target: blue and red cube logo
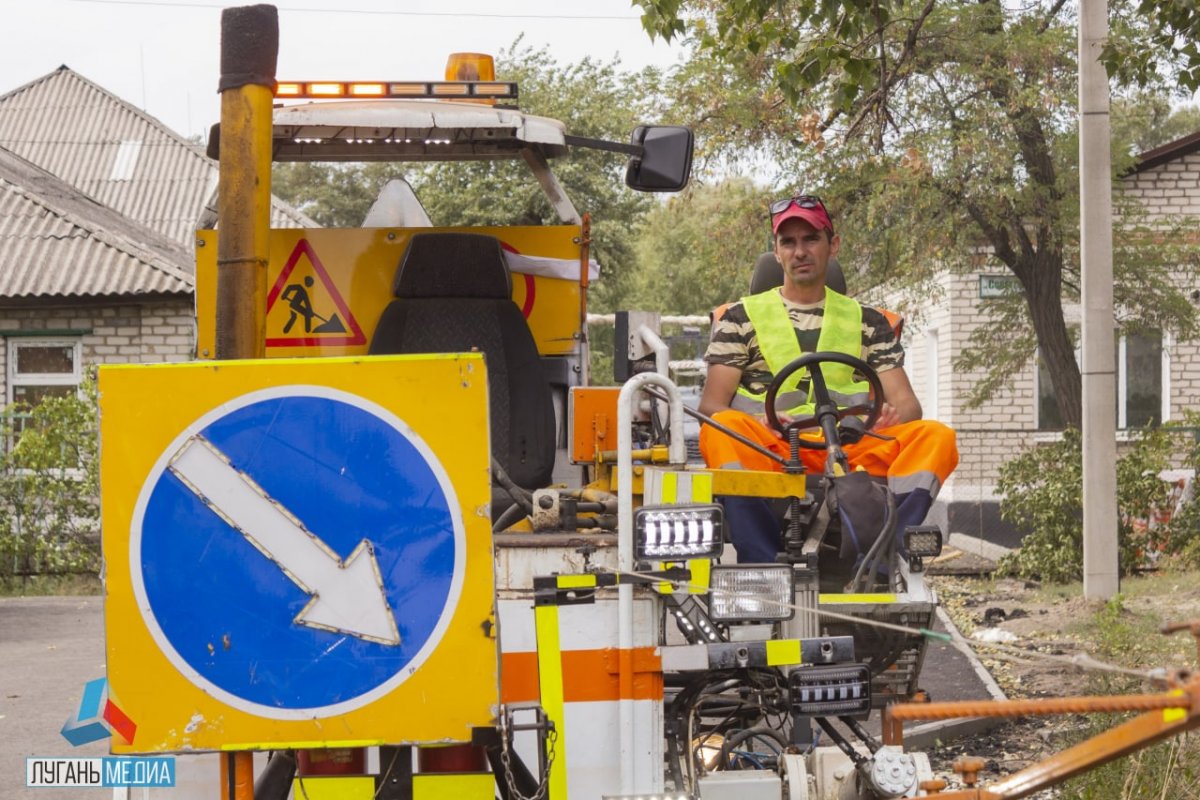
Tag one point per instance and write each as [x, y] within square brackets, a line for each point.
[98, 717]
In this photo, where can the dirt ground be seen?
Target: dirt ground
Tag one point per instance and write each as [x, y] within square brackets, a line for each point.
[1050, 627]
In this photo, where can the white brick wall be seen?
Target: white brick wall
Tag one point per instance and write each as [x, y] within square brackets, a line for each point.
[990, 435]
[162, 331]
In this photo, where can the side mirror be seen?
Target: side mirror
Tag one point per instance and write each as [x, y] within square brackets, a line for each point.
[666, 160]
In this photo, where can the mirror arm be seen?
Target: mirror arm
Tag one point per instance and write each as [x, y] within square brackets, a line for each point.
[604, 144]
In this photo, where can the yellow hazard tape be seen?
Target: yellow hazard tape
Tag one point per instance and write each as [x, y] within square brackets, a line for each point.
[576, 581]
[669, 488]
[1175, 714]
[550, 680]
[340, 787]
[453, 786]
[782, 652]
[832, 599]
[701, 569]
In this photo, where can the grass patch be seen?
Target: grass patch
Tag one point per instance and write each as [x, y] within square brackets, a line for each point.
[44, 585]
[1169, 769]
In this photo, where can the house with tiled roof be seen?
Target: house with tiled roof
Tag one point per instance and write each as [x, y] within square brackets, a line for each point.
[118, 155]
[99, 203]
[81, 284]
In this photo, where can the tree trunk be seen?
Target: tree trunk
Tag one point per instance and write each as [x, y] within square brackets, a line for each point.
[1043, 294]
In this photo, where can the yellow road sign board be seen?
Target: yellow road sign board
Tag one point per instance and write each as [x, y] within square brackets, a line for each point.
[327, 287]
[298, 551]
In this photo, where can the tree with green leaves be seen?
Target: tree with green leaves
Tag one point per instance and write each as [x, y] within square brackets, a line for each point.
[696, 250]
[938, 129]
[593, 98]
[49, 486]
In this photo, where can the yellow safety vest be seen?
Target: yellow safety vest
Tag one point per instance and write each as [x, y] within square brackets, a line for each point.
[841, 332]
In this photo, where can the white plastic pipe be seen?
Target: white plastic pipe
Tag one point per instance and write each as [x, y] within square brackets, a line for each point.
[677, 454]
[662, 353]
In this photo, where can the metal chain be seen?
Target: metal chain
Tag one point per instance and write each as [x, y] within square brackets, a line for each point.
[506, 760]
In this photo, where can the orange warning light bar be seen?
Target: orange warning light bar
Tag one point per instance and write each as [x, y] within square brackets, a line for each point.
[481, 91]
[368, 90]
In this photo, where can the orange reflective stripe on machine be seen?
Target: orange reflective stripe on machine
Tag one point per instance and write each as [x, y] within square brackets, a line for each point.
[588, 676]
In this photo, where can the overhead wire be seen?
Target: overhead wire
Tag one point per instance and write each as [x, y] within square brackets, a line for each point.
[380, 12]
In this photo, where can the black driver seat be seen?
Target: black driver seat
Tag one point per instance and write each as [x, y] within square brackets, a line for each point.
[453, 294]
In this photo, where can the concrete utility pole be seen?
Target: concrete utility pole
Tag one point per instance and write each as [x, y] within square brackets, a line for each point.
[1100, 575]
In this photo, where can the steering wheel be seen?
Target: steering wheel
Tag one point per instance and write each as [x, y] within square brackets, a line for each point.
[820, 394]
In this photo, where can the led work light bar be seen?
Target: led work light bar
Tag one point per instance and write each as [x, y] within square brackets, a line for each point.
[831, 690]
[673, 533]
[923, 540]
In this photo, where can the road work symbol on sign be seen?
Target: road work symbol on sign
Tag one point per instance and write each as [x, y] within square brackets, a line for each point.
[347, 596]
[297, 552]
[304, 306]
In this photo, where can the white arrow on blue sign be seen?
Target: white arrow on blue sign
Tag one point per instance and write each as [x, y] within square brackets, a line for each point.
[297, 552]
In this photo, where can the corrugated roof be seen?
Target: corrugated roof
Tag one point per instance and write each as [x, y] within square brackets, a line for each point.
[1170, 151]
[117, 154]
[55, 242]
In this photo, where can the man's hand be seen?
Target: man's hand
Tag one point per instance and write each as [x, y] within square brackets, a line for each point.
[888, 416]
[784, 421]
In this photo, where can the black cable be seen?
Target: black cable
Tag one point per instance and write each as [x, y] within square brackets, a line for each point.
[673, 758]
[858, 758]
[886, 555]
[522, 497]
[873, 550]
[883, 543]
[508, 517]
[862, 733]
[734, 740]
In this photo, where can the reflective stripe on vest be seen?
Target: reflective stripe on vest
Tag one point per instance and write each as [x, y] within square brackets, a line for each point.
[841, 332]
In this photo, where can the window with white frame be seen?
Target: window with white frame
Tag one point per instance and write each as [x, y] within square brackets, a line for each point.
[42, 367]
[1142, 384]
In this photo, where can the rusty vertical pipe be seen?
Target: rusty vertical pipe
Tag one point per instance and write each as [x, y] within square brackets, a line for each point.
[249, 51]
[237, 776]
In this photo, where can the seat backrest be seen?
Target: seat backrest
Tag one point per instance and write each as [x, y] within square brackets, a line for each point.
[768, 274]
[453, 294]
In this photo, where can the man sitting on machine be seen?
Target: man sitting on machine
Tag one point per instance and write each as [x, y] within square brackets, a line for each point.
[755, 345]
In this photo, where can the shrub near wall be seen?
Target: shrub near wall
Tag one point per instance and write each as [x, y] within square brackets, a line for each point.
[1042, 495]
[49, 487]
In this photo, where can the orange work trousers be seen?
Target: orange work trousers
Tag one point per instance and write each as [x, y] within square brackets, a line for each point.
[916, 461]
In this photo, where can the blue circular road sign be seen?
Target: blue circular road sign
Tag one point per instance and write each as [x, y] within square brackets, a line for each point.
[297, 552]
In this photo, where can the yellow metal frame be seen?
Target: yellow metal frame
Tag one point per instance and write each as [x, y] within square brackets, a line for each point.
[359, 265]
[456, 687]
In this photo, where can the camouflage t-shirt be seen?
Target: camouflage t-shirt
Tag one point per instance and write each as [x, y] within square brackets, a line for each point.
[734, 342]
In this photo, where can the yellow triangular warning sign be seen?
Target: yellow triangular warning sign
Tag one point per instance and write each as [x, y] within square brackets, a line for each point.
[304, 307]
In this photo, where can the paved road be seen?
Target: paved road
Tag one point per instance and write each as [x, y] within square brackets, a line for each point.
[51, 646]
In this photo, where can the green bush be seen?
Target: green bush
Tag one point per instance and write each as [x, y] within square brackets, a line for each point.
[1042, 495]
[49, 487]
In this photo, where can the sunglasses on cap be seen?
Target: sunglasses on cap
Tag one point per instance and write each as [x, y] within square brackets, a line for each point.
[800, 200]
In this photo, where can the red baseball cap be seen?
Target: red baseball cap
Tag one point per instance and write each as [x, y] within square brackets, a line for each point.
[806, 207]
